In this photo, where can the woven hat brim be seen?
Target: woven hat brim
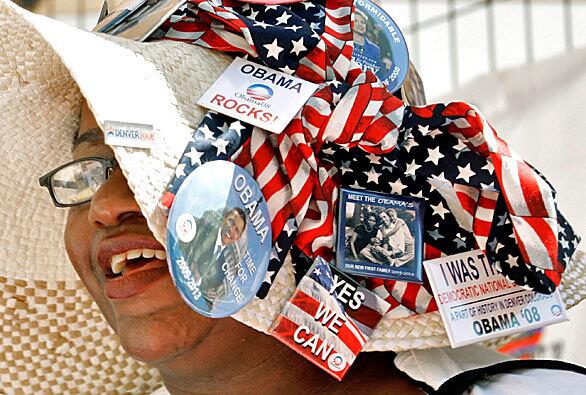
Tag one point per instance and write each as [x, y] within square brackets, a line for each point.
[48, 67]
[53, 337]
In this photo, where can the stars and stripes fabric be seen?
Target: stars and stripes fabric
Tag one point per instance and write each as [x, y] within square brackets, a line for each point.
[354, 132]
[465, 201]
[300, 193]
[329, 318]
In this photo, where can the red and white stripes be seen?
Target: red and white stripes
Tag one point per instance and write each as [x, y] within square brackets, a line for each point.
[529, 198]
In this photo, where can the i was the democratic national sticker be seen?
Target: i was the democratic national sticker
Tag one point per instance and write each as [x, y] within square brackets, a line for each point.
[478, 303]
[218, 239]
[379, 45]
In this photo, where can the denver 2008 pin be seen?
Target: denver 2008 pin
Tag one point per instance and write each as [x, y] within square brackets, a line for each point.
[219, 239]
[379, 45]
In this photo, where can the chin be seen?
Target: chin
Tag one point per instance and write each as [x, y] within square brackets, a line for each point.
[163, 336]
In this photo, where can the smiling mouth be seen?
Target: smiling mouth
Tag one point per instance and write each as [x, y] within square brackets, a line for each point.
[133, 271]
[126, 261]
[228, 234]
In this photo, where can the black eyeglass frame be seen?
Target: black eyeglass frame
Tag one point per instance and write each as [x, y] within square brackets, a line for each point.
[45, 181]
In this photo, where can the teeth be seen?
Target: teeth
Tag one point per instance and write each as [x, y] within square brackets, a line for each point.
[118, 262]
[133, 254]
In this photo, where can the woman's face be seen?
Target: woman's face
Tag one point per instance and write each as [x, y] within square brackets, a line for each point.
[141, 303]
[359, 24]
[371, 221]
[385, 219]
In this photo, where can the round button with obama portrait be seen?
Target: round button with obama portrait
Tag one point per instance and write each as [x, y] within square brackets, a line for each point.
[218, 239]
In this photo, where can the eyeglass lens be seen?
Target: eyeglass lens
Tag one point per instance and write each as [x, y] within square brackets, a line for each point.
[78, 182]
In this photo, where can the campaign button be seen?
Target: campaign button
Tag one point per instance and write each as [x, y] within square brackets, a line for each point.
[379, 45]
[329, 318]
[257, 95]
[218, 239]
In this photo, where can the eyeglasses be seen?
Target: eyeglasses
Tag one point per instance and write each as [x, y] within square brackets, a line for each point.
[77, 182]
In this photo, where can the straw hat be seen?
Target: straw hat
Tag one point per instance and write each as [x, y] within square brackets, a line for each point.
[54, 337]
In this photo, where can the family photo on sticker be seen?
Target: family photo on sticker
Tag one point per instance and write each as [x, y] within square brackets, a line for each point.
[380, 235]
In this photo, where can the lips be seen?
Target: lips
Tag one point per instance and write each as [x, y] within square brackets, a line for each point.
[136, 280]
[131, 264]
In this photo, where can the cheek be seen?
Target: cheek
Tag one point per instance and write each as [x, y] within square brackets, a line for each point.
[78, 245]
[77, 242]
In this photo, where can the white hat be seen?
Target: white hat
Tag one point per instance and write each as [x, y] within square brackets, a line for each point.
[54, 337]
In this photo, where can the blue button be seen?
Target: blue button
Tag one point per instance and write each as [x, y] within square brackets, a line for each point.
[218, 239]
[379, 45]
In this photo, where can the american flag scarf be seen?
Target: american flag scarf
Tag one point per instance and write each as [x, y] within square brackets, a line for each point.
[479, 193]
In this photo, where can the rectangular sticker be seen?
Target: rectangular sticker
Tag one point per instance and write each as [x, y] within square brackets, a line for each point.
[129, 134]
[257, 95]
[329, 318]
[478, 303]
[380, 235]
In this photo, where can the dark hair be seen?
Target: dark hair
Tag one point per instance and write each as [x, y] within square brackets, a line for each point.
[371, 214]
[362, 14]
[238, 210]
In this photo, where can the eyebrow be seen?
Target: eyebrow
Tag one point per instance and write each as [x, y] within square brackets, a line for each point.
[93, 135]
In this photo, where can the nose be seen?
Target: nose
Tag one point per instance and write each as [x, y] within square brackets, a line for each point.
[113, 202]
[234, 230]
